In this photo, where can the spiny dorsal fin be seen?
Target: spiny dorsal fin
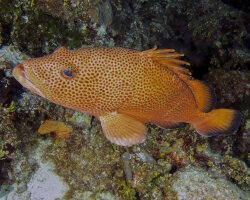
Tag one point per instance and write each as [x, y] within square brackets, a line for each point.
[122, 129]
[169, 59]
[203, 94]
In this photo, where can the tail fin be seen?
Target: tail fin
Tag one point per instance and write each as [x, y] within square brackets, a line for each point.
[218, 122]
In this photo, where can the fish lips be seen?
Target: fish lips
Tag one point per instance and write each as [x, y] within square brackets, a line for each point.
[20, 69]
[20, 75]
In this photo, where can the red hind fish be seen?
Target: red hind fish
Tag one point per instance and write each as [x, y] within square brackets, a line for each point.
[125, 89]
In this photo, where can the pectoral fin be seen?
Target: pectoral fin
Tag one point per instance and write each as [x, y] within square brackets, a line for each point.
[122, 129]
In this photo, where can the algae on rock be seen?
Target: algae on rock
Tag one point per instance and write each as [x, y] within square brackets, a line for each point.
[211, 34]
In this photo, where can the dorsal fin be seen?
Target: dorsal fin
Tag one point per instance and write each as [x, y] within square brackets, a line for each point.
[203, 94]
[169, 59]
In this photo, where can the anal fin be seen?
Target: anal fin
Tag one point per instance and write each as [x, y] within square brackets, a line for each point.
[169, 125]
[122, 129]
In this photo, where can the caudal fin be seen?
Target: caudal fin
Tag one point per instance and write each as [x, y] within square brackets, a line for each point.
[218, 122]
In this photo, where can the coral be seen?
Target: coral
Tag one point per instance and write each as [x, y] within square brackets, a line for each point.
[237, 170]
[1, 34]
[244, 142]
[7, 85]
[35, 32]
[33, 175]
[80, 120]
[219, 27]
[126, 192]
[231, 87]
[51, 126]
[10, 56]
[211, 34]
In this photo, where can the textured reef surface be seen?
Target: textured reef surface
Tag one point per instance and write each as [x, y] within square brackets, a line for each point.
[170, 164]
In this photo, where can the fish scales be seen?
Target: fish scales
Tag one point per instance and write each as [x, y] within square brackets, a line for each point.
[126, 88]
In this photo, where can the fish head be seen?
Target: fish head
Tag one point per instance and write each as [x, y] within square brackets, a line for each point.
[54, 77]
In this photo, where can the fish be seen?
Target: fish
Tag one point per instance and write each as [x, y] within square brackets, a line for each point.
[125, 89]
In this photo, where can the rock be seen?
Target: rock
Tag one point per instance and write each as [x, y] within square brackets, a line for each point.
[145, 157]
[45, 184]
[80, 120]
[210, 33]
[11, 55]
[8, 85]
[88, 195]
[236, 170]
[37, 183]
[165, 164]
[196, 183]
[231, 87]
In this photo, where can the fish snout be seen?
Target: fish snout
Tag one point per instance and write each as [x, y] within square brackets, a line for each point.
[23, 75]
[18, 71]
[22, 69]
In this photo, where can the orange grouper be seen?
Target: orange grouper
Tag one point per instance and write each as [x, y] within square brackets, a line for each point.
[125, 89]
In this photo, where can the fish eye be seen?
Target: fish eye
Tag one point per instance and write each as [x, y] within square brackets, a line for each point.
[68, 74]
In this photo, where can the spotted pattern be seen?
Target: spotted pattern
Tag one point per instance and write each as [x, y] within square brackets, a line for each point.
[112, 79]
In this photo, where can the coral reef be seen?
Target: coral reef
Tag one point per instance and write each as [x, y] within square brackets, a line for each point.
[215, 37]
[237, 170]
[234, 81]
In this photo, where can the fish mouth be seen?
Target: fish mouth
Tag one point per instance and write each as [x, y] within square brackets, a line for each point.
[21, 76]
[22, 71]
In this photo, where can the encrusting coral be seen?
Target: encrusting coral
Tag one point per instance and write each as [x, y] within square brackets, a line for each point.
[51, 126]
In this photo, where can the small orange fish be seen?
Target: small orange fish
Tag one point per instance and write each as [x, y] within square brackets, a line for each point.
[125, 89]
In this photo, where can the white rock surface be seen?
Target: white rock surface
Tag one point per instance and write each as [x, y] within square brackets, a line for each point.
[46, 185]
[194, 183]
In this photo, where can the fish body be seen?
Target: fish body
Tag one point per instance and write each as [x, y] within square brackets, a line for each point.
[126, 88]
